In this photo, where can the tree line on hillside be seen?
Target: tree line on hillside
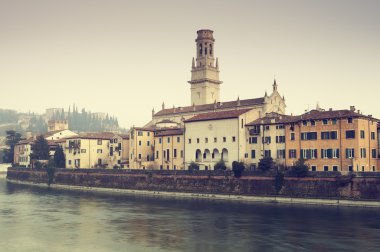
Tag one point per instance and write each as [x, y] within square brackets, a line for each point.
[86, 121]
[8, 116]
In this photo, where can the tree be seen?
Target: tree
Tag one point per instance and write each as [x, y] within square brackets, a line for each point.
[238, 168]
[299, 168]
[59, 158]
[193, 166]
[50, 172]
[12, 139]
[265, 164]
[220, 166]
[40, 149]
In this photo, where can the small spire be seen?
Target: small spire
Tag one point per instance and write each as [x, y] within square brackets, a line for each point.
[153, 112]
[193, 64]
[163, 105]
[238, 101]
[283, 97]
[266, 94]
[217, 63]
[274, 84]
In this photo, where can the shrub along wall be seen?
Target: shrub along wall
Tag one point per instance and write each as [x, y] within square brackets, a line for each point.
[330, 185]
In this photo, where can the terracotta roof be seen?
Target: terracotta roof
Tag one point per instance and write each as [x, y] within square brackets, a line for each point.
[219, 115]
[94, 135]
[311, 115]
[124, 136]
[169, 132]
[26, 141]
[272, 118]
[211, 106]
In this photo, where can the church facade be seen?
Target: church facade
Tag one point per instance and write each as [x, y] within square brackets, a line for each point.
[205, 87]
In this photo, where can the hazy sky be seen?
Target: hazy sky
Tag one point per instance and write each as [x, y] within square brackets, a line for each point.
[126, 57]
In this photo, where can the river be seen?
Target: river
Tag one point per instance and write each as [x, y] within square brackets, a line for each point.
[42, 219]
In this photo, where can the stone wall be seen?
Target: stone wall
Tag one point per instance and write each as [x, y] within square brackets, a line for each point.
[327, 186]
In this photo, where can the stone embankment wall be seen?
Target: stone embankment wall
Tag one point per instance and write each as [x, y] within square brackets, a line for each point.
[363, 186]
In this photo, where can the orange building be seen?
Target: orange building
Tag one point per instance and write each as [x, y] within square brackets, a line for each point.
[334, 140]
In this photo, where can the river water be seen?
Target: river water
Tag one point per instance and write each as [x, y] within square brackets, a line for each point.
[42, 219]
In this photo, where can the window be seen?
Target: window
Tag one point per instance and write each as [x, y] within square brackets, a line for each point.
[148, 143]
[362, 134]
[139, 156]
[181, 153]
[197, 140]
[175, 153]
[373, 136]
[178, 139]
[160, 140]
[350, 153]
[224, 139]
[148, 133]
[161, 167]
[147, 158]
[326, 168]
[139, 133]
[309, 136]
[280, 127]
[309, 153]
[292, 136]
[168, 139]
[99, 151]
[69, 162]
[280, 153]
[325, 121]
[267, 153]
[349, 120]
[242, 123]
[253, 140]
[313, 168]
[304, 123]
[350, 134]
[253, 154]
[99, 141]
[157, 154]
[334, 121]
[233, 139]
[350, 168]
[362, 167]
[374, 153]
[139, 143]
[266, 127]
[245, 155]
[325, 135]
[363, 152]
[335, 168]
[312, 122]
[292, 153]
[206, 140]
[266, 140]
[280, 139]
[189, 140]
[83, 151]
[215, 139]
[373, 168]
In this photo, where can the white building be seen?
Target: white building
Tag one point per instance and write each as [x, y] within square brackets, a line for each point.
[216, 136]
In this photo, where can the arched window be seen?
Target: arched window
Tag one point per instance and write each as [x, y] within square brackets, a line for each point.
[225, 155]
[200, 49]
[198, 155]
[207, 155]
[210, 49]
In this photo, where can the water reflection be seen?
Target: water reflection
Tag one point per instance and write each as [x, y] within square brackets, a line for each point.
[51, 220]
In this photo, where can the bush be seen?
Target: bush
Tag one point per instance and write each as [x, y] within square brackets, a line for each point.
[299, 169]
[279, 181]
[193, 166]
[220, 166]
[266, 164]
[237, 168]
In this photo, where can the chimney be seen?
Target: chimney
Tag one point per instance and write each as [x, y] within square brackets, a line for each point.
[330, 109]
[352, 108]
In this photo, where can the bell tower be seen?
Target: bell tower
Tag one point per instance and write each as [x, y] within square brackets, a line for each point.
[205, 71]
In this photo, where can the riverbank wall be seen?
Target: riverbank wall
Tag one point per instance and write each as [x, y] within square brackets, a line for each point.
[329, 186]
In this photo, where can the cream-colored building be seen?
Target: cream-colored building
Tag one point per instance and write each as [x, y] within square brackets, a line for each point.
[58, 125]
[59, 134]
[141, 148]
[217, 136]
[169, 149]
[22, 152]
[93, 150]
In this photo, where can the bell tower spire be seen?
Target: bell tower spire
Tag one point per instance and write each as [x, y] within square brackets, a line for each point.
[205, 71]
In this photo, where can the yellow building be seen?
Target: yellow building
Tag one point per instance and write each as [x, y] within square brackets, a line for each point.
[141, 148]
[169, 149]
